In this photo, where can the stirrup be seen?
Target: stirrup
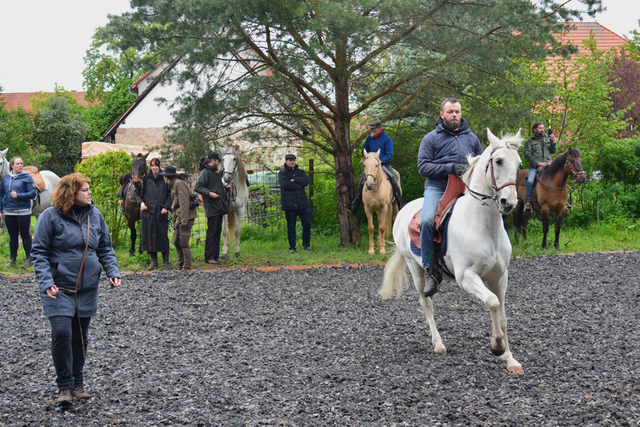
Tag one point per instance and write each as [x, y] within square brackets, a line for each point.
[527, 207]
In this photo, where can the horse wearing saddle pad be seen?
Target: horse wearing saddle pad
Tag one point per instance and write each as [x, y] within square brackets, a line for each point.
[37, 178]
[455, 188]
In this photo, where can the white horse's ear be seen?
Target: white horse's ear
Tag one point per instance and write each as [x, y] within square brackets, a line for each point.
[492, 138]
[5, 151]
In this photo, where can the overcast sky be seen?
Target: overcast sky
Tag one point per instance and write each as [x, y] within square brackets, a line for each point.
[43, 42]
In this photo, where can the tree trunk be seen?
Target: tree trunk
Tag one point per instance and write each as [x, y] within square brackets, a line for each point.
[349, 227]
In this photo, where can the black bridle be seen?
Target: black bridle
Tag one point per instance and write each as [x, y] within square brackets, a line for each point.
[233, 191]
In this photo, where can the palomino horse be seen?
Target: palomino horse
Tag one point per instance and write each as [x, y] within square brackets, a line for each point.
[234, 173]
[131, 205]
[377, 197]
[549, 194]
[478, 248]
[43, 199]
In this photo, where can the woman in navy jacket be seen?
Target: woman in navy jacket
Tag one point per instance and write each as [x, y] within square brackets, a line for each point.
[58, 248]
[16, 192]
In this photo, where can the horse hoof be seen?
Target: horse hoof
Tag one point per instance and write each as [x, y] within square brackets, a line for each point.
[441, 349]
[383, 252]
[516, 370]
[237, 254]
[371, 252]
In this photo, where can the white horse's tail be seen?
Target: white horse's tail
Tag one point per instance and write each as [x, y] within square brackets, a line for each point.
[232, 225]
[395, 279]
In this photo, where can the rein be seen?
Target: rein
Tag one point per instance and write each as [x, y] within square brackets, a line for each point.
[482, 197]
[567, 165]
[233, 191]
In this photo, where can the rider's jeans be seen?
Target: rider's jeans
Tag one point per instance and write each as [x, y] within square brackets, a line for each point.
[530, 178]
[427, 225]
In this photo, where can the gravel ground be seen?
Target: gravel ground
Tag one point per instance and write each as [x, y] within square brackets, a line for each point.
[318, 347]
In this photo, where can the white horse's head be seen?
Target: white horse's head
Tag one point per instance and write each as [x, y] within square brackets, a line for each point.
[231, 163]
[4, 163]
[497, 171]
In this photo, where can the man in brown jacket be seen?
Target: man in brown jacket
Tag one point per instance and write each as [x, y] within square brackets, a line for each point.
[183, 216]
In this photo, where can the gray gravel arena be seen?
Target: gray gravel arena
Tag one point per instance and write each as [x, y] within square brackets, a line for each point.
[318, 347]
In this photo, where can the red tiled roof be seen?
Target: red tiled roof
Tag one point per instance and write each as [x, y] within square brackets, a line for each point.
[21, 99]
[579, 31]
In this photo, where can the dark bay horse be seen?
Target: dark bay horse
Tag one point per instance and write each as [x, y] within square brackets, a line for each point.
[549, 194]
[132, 182]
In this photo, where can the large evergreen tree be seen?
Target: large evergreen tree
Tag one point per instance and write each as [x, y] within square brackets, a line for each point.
[300, 71]
[62, 135]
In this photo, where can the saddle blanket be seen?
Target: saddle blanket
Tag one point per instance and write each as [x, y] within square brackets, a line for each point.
[455, 189]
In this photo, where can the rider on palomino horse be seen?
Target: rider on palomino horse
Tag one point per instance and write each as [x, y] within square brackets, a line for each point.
[378, 140]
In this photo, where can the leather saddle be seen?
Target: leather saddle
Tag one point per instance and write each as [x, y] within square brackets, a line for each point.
[455, 189]
[37, 178]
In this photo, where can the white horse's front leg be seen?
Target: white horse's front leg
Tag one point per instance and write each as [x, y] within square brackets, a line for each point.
[473, 284]
[417, 273]
[238, 230]
[513, 365]
[225, 234]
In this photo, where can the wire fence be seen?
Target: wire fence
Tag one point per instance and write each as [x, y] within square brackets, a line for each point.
[263, 209]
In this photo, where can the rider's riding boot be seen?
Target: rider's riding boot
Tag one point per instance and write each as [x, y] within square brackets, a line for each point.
[154, 261]
[430, 285]
[527, 207]
[396, 193]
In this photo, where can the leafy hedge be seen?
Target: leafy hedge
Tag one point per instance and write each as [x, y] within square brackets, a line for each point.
[104, 170]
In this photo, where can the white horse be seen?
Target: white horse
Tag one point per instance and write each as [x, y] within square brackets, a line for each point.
[234, 173]
[43, 199]
[478, 248]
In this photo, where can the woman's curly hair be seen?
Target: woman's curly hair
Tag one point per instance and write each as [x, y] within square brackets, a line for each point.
[64, 194]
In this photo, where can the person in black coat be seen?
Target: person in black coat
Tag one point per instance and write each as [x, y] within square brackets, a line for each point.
[154, 215]
[294, 201]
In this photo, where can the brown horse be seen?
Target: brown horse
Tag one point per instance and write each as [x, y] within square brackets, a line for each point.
[132, 181]
[377, 197]
[549, 194]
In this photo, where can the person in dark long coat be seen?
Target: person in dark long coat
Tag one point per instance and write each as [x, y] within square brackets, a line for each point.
[294, 201]
[154, 215]
[215, 203]
[65, 232]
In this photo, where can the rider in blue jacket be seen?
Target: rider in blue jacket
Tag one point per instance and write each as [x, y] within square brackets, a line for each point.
[16, 192]
[443, 151]
[378, 140]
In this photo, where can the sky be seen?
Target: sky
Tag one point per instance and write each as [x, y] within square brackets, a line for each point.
[43, 42]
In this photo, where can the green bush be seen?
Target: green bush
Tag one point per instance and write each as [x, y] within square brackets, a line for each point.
[104, 170]
[324, 198]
